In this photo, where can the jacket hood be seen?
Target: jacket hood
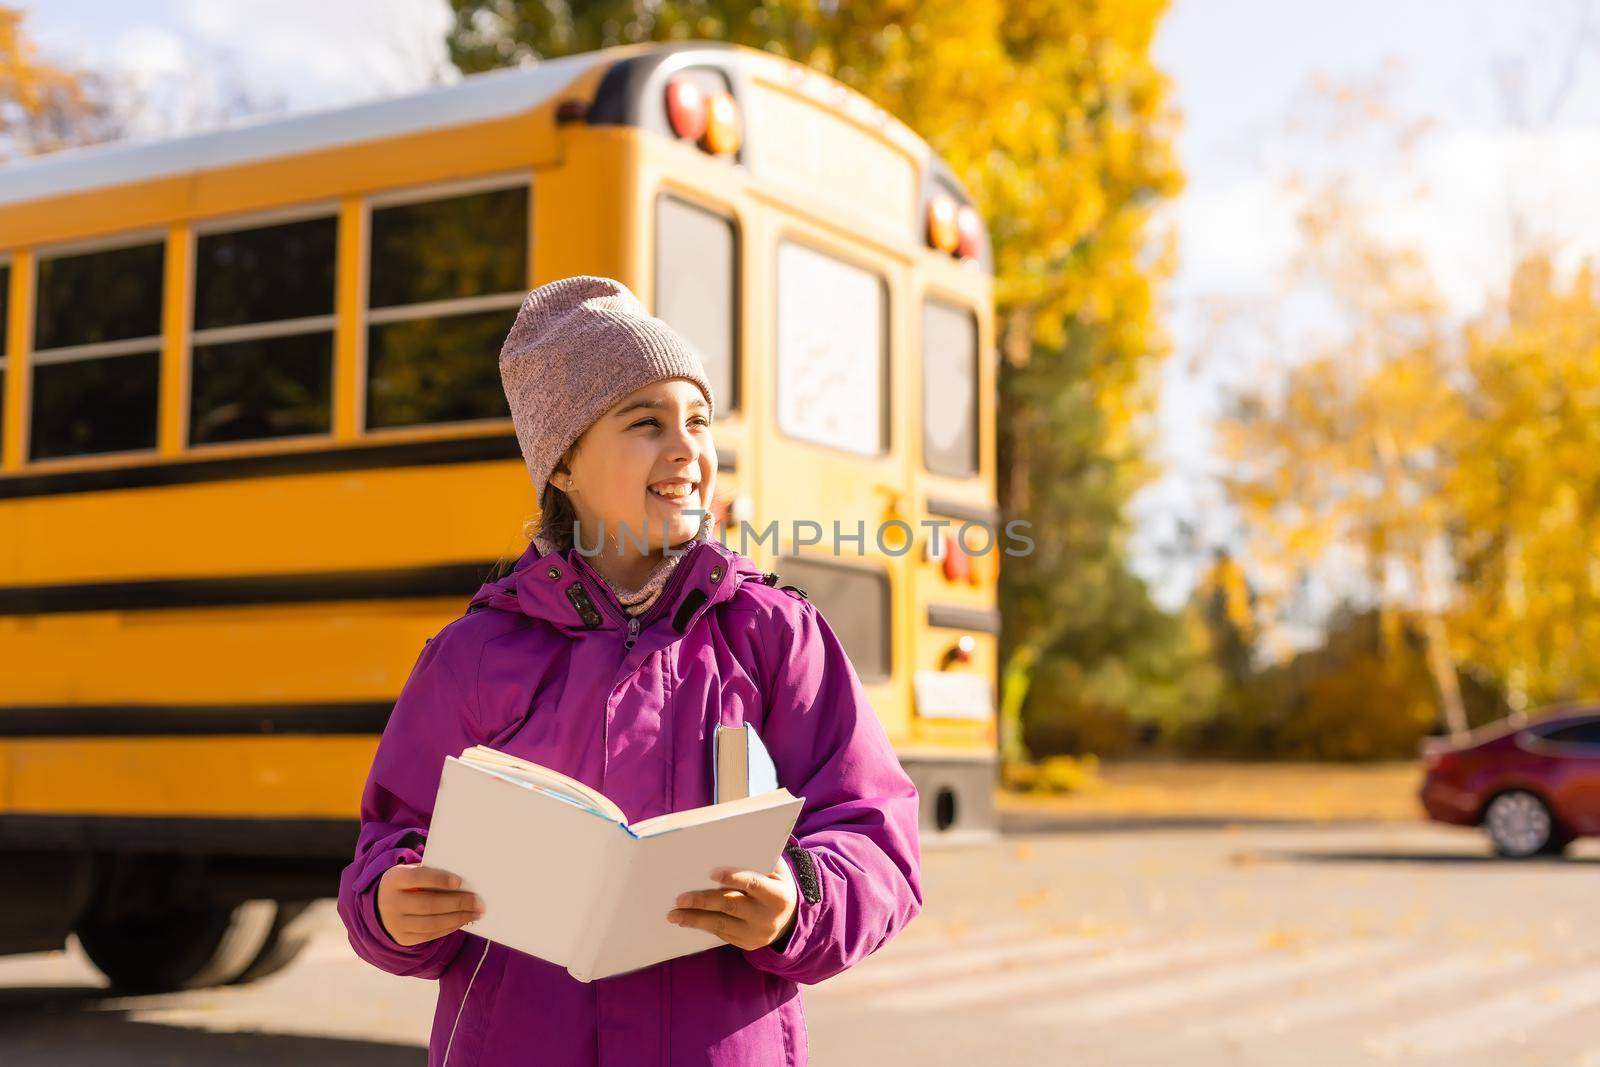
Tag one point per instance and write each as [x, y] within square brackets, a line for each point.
[565, 590]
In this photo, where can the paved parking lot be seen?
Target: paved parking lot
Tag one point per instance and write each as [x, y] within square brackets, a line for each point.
[1104, 943]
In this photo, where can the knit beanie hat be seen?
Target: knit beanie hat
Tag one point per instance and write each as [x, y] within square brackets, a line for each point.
[578, 346]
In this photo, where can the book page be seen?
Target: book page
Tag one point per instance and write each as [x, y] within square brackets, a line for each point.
[662, 866]
[676, 820]
[540, 863]
[542, 775]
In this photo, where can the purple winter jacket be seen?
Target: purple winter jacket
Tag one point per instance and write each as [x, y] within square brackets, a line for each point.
[631, 714]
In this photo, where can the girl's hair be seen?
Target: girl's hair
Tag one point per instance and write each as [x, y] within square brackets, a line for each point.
[553, 523]
[556, 513]
[556, 516]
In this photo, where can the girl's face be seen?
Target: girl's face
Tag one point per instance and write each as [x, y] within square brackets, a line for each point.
[647, 466]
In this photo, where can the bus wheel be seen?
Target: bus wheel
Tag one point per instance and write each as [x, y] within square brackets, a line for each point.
[284, 942]
[173, 950]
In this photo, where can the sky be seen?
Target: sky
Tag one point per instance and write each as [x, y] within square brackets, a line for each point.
[195, 62]
[1512, 91]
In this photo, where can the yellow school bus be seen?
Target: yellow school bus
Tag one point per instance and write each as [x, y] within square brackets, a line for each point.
[254, 450]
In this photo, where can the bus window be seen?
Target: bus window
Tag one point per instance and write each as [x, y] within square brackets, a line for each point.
[262, 364]
[832, 351]
[97, 351]
[855, 601]
[697, 288]
[949, 389]
[446, 277]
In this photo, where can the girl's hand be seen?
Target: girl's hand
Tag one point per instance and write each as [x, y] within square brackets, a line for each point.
[754, 911]
[417, 903]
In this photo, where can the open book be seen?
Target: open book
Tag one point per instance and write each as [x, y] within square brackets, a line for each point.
[566, 878]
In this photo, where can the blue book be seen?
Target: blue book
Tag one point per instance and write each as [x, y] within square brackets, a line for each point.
[740, 764]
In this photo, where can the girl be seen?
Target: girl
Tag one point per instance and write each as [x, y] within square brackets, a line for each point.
[613, 666]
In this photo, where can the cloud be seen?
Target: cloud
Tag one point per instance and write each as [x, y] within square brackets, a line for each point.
[321, 53]
[1492, 193]
[190, 64]
[1234, 234]
[1468, 202]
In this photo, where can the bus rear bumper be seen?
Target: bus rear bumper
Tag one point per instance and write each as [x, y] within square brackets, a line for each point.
[957, 798]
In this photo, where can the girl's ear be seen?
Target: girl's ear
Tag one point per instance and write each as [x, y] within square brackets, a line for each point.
[564, 464]
[563, 468]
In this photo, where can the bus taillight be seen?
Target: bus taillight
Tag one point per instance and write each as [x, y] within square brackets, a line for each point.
[686, 108]
[722, 125]
[969, 228]
[711, 121]
[957, 565]
[960, 652]
[942, 224]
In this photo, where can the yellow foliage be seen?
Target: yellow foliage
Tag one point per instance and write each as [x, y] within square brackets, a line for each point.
[1525, 487]
[42, 107]
[1457, 469]
[1054, 775]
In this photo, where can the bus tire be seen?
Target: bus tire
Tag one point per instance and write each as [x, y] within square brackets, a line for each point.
[179, 949]
[284, 942]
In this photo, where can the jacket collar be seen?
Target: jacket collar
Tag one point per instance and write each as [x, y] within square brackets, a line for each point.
[563, 589]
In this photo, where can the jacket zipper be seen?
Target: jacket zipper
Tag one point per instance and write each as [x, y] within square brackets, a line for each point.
[463, 1005]
[608, 600]
[670, 590]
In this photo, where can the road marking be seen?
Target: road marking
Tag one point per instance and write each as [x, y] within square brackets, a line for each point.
[973, 990]
[1322, 1007]
[961, 962]
[1173, 992]
[322, 947]
[938, 943]
[1504, 1018]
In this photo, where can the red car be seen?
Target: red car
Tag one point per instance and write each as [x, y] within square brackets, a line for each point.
[1534, 787]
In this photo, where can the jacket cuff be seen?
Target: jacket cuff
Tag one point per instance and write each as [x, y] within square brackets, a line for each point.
[783, 954]
[394, 957]
[367, 901]
[401, 846]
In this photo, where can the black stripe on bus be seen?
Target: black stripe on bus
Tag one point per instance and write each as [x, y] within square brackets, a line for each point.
[198, 469]
[954, 617]
[266, 835]
[190, 720]
[402, 583]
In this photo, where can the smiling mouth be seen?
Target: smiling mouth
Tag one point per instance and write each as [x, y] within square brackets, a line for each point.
[678, 493]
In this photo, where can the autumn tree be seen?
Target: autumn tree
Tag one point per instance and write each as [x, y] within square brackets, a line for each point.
[1449, 468]
[1340, 463]
[44, 107]
[1524, 488]
[1227, 605]
[1337, 462]
[1056, 119]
